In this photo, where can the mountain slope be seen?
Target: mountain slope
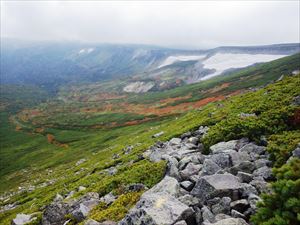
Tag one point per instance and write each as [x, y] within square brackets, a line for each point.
[273, 111]
[50, 65]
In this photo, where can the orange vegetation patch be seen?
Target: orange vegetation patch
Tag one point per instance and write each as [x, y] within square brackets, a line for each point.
[50, 138]
[162, 111]
[39, 130]
[18, 128]
[135, 122]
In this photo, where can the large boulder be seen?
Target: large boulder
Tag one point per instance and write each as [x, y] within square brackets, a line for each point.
[209, 167]
[167, 185]
[108, 198]
[157, 209]
[218, 185]
[264, 172]
[190, 169]
[223, 146]
[175, 141]
[237, 157]
[55, 213]
[195, 158]
[80, 208]
[244, 166]
[253, 148]
[221, 159]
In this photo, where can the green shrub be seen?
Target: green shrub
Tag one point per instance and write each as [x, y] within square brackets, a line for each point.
[282, 206]
[118, 209]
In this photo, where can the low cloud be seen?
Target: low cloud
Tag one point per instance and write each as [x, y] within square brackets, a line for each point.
[182, 24]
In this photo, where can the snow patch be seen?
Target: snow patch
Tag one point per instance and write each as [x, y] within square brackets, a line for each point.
[223, 61]
[172, 59]
[138, 87]
[86, 50]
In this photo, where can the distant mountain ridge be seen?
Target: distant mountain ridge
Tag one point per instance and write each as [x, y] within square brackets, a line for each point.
[52, 64]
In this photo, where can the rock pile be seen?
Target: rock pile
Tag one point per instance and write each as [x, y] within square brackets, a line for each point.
[219, 188]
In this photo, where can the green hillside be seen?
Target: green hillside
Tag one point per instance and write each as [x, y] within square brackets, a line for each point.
[43, 150]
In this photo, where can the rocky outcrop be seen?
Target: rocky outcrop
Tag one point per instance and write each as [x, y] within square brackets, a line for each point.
[220, 188]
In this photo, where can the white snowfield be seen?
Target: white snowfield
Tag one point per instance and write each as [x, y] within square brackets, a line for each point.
[86, 50]
[223, 61]
[172, 59]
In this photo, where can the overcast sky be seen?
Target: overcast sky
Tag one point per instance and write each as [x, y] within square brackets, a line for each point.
[183, 24]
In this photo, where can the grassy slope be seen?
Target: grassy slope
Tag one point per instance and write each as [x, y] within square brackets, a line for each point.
[212, 114]
[98, 146]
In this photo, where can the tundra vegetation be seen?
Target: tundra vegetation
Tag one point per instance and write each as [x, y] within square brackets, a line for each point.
[54, 144]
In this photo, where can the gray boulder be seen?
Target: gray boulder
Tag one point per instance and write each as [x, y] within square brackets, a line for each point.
[253, 200]
[167, 185]
[195, 158]
[261, 185]
[175, 141]
[187, 185]
[237, 214]
[173, 168]
[193, 140]
[245, 166]
[58, 198]
[221, 159]
[248, 189]
[262, 162]
[240, 205]
[108, 198]
[157, 209]
[55, 213]
[189, 200]
[207, 215]
[218, 185]
[190, 146]
[223, 146]
[186, 135]
[81, 208]
[264, 172]
[210, 167]
[296, 152]
[253, 148]
[222, 207]
[245, 177]
[237, 157]
[22, 219]
[190, 169]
